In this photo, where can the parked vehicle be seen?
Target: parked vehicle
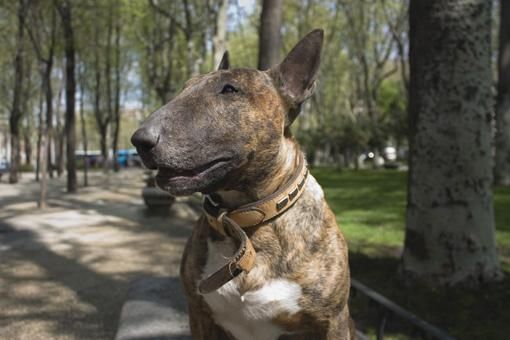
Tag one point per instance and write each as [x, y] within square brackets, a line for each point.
[128, 157]
[4, 167]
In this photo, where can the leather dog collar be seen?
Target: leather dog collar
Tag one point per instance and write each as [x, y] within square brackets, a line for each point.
[230, 223]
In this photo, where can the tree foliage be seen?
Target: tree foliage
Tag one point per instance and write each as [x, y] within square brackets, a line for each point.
[143, 52]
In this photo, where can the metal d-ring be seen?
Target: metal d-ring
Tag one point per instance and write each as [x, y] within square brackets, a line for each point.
[230, 270]
[221, 215]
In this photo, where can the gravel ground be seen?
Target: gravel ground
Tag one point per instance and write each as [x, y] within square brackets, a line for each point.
[65, 270]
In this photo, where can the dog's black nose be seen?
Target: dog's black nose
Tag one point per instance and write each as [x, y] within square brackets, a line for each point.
[145, 138]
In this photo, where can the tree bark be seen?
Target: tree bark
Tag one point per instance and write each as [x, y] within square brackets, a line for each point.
[116, 104]
[190, 44]
[450, 224]
[27, 144]
[502, 143]
[42, 154]
[49, 92]
[64, 7]
[59, 138]
[44, 174]
[269, 34]
[160, 52]
[16, 112]
[39, 135]
[108, 80]
[83, 132]
[220, 33]
[101, 121]
[49, 107]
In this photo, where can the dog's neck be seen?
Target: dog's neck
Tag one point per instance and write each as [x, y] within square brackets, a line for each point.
[286, 165]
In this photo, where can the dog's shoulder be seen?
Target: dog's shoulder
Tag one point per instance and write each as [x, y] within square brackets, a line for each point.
[194, 256]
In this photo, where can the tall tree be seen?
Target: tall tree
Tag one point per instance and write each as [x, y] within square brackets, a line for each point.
[40, 32]
[59, 134]
[81, 82]
[450, 222]
[42, 156]
[159, 44]
[102, 116]
[65, 10]
[108, 77]
[371, 44]
[116, 98]
[269, 33]
[16, 111]
[502, 160]
[188, 29]
[26, 107]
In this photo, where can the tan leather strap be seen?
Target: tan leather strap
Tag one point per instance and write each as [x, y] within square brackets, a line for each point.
[262, 211]
[230, 223]
[243, 259]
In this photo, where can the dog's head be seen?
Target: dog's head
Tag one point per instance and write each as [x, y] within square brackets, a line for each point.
[228, 124]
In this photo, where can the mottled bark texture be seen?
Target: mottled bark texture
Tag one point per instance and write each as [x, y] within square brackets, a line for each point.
[502, 160]
[64, 8]
[116, 105]
[269, 34]
[16, 112]
[450, 225]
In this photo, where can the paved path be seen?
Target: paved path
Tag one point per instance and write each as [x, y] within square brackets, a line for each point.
[65, 271]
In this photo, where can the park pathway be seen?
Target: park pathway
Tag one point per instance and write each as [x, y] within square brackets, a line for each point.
[65, 271]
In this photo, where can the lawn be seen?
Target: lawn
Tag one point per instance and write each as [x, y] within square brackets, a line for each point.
[370, 209]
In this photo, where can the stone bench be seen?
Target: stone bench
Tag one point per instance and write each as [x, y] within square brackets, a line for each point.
[155, 309]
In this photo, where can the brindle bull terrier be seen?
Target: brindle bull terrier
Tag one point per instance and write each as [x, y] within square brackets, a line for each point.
[267, 259]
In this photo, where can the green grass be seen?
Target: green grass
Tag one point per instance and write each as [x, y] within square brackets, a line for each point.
[369, 206]
[370, 210]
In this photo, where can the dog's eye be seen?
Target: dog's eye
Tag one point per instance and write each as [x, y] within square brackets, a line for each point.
[228, 89]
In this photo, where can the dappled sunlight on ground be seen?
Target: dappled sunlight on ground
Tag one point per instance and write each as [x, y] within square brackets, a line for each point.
[65, 270]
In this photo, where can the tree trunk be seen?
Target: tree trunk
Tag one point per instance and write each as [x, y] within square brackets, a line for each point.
[44, 174]
[108, 80]
[450, 224]
[16, 113]
[44, 148]
[39, 135]
[27, 144]
[49, 98]
[64, 8]
[269, 34]
[27, 128]
[190, 44]
[59, 138]
[116, 104]
[220, 34]
[15, 155]
[101, 121]
[84, 134]
[502, 159]
[103, 143]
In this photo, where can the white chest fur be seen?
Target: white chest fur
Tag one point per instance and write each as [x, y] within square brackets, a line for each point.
[248, 316]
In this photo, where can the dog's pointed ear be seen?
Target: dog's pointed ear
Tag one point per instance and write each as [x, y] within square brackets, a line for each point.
[224, 63]
[296, 74]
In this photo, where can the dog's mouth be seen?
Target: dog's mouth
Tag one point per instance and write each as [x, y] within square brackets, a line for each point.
[176, 173]
[181, 181]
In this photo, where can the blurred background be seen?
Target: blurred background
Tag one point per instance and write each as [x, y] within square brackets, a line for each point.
[408, 133]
